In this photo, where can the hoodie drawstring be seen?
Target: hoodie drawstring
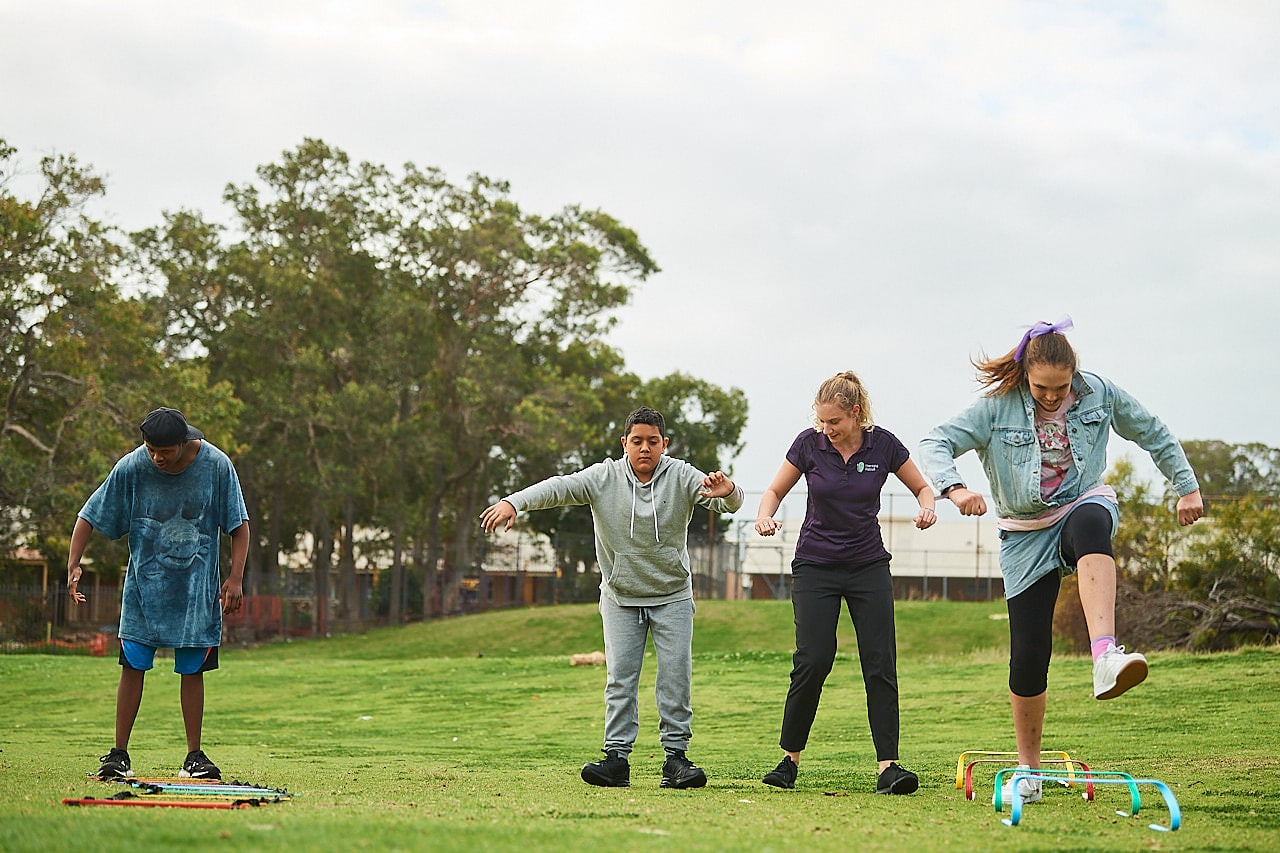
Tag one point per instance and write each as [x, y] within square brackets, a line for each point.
[634, 486]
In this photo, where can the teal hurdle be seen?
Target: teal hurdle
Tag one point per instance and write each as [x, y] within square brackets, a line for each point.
[1171, 802]
[1117, 777]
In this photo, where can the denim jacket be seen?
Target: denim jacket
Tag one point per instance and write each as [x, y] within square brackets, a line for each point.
[1002, 430]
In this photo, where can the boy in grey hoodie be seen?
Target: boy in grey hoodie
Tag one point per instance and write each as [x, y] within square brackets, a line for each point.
[641, 506]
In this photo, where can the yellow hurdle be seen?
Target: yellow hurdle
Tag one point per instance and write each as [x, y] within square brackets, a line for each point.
[964, 756]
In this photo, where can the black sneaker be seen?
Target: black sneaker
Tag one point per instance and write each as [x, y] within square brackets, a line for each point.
[784, 775]
[198, 766]
[612, 771]
[680, 772]
[115, 765]
[894, 780]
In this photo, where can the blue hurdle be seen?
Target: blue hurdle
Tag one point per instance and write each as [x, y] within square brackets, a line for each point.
[1114, 778]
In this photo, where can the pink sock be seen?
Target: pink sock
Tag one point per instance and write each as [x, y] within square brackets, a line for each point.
[1099, 645]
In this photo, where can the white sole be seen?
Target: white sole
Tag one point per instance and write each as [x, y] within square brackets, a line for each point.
[1133, 674]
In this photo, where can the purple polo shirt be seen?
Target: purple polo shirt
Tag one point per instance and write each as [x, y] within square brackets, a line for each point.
[840, 524]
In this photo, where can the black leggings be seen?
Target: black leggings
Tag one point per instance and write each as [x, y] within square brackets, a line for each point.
[1086, 531]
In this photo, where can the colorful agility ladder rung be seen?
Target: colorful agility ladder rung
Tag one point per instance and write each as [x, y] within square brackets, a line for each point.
[1069, 782]
[150, 803]
[1175, 813]
[1050, 753]
[209, 790]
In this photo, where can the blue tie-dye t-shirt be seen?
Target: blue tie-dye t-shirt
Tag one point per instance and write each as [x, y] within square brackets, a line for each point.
[174, 523]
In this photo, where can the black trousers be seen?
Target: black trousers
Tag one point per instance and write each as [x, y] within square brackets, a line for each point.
[817, 592]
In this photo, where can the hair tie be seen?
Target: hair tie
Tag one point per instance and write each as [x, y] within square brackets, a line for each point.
[1041, 328]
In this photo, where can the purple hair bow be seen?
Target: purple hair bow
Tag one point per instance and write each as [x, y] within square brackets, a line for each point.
[1041, 328]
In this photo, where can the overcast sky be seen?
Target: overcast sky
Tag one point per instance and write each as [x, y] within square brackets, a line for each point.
[884, 187]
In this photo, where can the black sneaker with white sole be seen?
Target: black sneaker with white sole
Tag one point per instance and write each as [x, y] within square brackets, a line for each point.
[198, 766]
[679, 772]
[115, 765]
[612, 771]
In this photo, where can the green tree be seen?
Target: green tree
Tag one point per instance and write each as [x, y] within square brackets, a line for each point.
[1238, 550]
[1217, 584]
[1148, 540]
[284, 314]
[1235, 470]
[391, 336]
[58, 300]
[80, 364]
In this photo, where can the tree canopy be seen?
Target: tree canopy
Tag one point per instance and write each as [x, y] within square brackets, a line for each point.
[380, 351]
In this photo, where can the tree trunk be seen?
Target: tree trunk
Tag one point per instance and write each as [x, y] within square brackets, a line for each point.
[347, 569]
[397, 573]
[320, 575]
[428, 575]
[272, 549]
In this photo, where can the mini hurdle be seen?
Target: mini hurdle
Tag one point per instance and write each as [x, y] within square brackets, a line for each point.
[1047, 753]
[1068, 782]
[1113, 778]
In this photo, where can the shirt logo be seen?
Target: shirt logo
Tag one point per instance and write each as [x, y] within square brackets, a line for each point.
[863, 466]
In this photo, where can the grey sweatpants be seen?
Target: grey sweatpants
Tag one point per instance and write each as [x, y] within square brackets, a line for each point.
[625, 632]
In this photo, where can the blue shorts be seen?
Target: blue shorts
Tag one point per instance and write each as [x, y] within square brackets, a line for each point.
[186, 661]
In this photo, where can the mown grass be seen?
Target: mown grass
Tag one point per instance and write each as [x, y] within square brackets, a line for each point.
[467, 734]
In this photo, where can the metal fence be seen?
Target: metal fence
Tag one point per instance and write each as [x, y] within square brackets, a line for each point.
[520, 573]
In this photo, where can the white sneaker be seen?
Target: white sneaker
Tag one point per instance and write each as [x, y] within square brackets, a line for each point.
[1115, 671]
[1029, 789]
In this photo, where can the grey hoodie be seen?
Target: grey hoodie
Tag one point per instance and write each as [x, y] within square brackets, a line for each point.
[641, 528]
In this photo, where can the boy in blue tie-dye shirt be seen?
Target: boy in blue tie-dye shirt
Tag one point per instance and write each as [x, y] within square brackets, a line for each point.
[173, 496]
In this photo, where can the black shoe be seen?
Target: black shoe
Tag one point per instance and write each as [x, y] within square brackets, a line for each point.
[198, 766]
[115, 765]
[784, 775]
[612, 771]
[894, 780]
[680, 772]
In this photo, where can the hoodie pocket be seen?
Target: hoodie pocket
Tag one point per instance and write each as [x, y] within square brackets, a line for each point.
[648, 574]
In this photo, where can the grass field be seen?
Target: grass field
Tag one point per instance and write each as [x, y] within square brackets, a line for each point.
[468, 734]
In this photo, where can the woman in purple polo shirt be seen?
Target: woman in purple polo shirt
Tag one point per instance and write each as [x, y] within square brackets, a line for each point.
[845, 460]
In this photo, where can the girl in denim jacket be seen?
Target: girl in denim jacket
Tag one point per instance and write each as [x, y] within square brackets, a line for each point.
[1041, 432]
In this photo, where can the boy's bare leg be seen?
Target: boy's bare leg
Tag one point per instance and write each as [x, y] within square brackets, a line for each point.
[128, 700]
[193, 708]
